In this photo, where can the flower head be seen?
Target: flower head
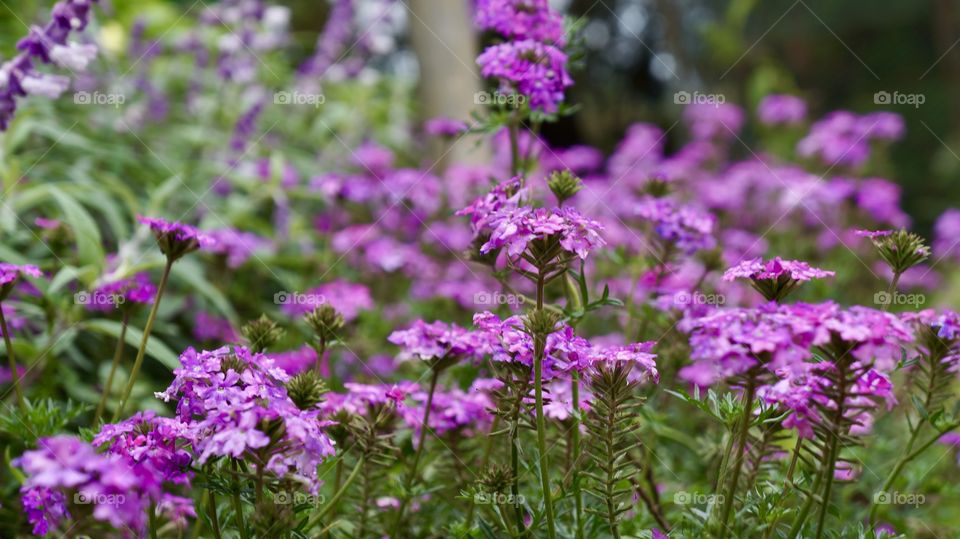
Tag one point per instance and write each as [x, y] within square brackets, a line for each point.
[782, 109]
[533, 69]
[522, 19]
[11, 273]
[177, 239]
[515, 229]
[438, 343]
[777, 277]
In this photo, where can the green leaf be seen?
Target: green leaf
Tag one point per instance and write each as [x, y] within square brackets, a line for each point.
[89, 243]
[155, 347]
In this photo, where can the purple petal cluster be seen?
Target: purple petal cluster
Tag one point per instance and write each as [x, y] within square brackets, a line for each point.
[522, 19]
[720, 121]
[349, 299]
[530, 68]
[232, 401]
[508, 195]
[775, 269]
[19, 76]
[360, 398]
[843, 138]
[453, 409]
[10, 273]
[438, 340]
[681, 224]
[638, 355]
[237, 246]
[65, 468]
[782, 109]
[177, 239]
[511, 343]
[135, 290]
[513, 229]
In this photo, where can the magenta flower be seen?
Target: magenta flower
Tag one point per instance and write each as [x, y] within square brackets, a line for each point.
[505, 196]
[444, 127]
[873, 234]
[11, 273]
[713, 121]
[237, 246]
[522, 19]
[683, 225]
[782, 109]
[530, 68]
[946, 235]
[638, 356]
[510, 343]
[65, 469]
[349, 299]
[515, 229]
[137, 290]
[776, 278]
[159, 443]
[439, 343]
[177, 239]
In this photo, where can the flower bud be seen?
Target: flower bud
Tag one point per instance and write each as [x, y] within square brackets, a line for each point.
[306, 389]
[564, 185]
[261, 333]
[326, 322]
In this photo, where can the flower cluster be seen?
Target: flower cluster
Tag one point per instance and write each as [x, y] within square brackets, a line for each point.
[49, 44]
[136, 290]
[843, 138]
[678, 224]
[522, 19]
[531, 68]
[234, 403]
[11, 273]
[514, 229]
[177, 239]
[782, 109]
[438, 343]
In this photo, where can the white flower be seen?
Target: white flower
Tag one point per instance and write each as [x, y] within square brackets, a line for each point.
[46, 85]
[73, 56]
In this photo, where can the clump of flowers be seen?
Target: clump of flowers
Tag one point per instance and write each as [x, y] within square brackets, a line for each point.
[522, 19]
[776, 278]
[530, 68]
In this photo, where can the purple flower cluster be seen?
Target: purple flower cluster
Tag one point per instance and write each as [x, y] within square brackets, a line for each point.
[522, 19]
[782, 109]
[514, 229]
[359, 399]
[237, 246]
[719, 121]
[437, 341]
[349, 299]
[137, 290]
[177, 239]
[680, 224]
[531, 68]
[453, 409]
[19, 76]
[117, 490]
[11, 273]
[843, 138]
[231, 402]
[508, 195]
[774, 269]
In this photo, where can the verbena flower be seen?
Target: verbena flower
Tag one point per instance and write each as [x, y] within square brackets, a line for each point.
[530, 68]
[843, 138]
[713, 121]
[349, 299]
[160, 443]
[11, 273]
[946, 235]
[64, 468]
[177, 239]
[638, 356]
[452, 410]
[505, 196]
[234, 402]
[237, 246]
[514, 229]
[48, 45]
[522, 19]
[509, 342]
[438, 343]
[777, 277]
[444, 127]
[360, 398]
[782, 109]
[682, 225]
[137, 290]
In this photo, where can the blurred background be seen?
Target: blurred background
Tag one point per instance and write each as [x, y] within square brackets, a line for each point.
[638, 53]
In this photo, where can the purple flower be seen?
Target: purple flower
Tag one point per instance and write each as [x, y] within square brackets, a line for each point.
[690, 229]
[237, 246]
[11, 273]
[531, 68]
[437, 342]
[946, 234]
[515, 228]
[521, 19]
[782, 109]
[19, 77]
[505, 196]
[872, 234]
[713, 121]
[444, 127]
[349, 299]
[509, 342]
[177, 239]
[227, 397]
[64, 468]
[157, 442]
[638, 356]
[137, 290]
[451, 410]
[774, 269]
[842, 137]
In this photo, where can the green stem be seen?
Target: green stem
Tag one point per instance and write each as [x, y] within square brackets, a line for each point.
[14, 375]
[539, 351]
[577, 498]
[339, 494]
[143, 342]
[212, 513]
[514, 130]
[515, 469]
[117, 354]
[238, 502]
[738, 452]
[412, 474]
[891, 290]
[483, 466]
[153, 521]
